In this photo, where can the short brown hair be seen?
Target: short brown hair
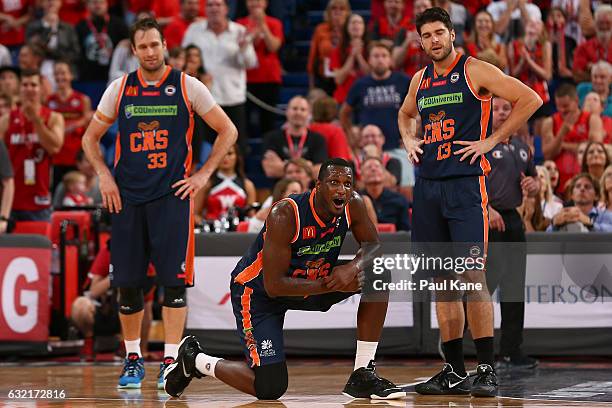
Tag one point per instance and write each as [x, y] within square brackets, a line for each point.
[566, 89]
[569, 191]
[378, 44]
[145, 24]
[324, 110]
[30, 73]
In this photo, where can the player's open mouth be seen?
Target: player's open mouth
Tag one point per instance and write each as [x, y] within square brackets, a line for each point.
[338, 202]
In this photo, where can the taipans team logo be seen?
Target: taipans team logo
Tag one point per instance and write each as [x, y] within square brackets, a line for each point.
[454, 77]
[437, 117]
[170, 90]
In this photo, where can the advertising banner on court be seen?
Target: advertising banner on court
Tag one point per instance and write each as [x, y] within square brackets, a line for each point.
[24, 294]
[210, 306]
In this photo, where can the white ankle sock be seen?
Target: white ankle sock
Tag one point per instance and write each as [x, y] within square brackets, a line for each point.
[132, 346]
[366, 350]
[206, 364]
[170, 350]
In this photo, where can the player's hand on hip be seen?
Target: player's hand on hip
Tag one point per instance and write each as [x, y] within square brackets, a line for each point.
[496, 222]
[476, 148]
[190, 185]
[110, 193]
[413, 147]
[341, 278]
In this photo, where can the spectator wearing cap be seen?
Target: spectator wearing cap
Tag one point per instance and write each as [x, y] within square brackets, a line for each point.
[562, 132]
[511, 17]
[581, 213]
[597, 48]
[295, 141]
[390, 207]
[7, 188]
[324, 113]
[511, 184]
[264, 81]
[228, 52]
[601, 82]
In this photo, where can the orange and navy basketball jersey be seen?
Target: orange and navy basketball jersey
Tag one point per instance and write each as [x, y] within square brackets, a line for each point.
[450, 110]
[314, 249]
[153, 148]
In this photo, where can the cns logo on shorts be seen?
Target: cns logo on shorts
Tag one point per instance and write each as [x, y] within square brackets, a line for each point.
[475, 250]
[454, 77]
[170, 90]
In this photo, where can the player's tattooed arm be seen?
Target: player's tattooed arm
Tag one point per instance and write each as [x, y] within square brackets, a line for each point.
[486, 80]
[407, 120]
[343, 277]
[281, 229]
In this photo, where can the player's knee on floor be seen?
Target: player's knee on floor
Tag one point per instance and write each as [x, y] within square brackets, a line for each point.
[131, 300]
[175, 297]
[271, 381]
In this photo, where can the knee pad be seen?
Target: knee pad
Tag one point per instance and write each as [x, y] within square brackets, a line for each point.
[131, 300]
[175, 297]
[271, 381]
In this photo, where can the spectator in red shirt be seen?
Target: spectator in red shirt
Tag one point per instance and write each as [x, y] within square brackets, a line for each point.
[72, 11]
[348, 60]
[474, 6]
[563, 45]
[407, 51]
[377, 10]
[75, 107]
[597, 48]
[75, 194]
[530, 61]
[562, 133]
[177, 25]
[14, 16]
[324, 112]
[327, 35]
[483, 38]
[387, 27]
[265, 80]
[166, 11]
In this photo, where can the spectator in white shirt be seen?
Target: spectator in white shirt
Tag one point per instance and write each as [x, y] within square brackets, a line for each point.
[511, 17]
[228, 52]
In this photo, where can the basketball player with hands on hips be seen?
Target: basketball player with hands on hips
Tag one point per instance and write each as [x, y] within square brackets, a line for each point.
[453, 97]
[150, 195]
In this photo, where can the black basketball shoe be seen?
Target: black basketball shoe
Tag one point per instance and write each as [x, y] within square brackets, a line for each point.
[365, 383]
[179, 374]
[485, 383]
[446, 382]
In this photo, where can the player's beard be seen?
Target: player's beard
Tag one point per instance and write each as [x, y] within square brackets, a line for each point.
[157, 68]
[446, 50]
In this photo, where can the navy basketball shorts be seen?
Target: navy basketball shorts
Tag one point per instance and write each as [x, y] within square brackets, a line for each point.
[160, 231]
[450, 219]
[260, 320]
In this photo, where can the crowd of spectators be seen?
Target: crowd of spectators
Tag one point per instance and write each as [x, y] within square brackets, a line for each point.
[358, 65]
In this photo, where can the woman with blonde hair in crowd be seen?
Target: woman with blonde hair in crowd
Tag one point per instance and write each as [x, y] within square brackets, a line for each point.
[327, 35]
[605, 187]
[595, 159]
[550, 203]
[482, 39]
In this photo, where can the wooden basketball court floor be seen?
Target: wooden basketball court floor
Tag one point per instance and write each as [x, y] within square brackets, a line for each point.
[312, 384]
